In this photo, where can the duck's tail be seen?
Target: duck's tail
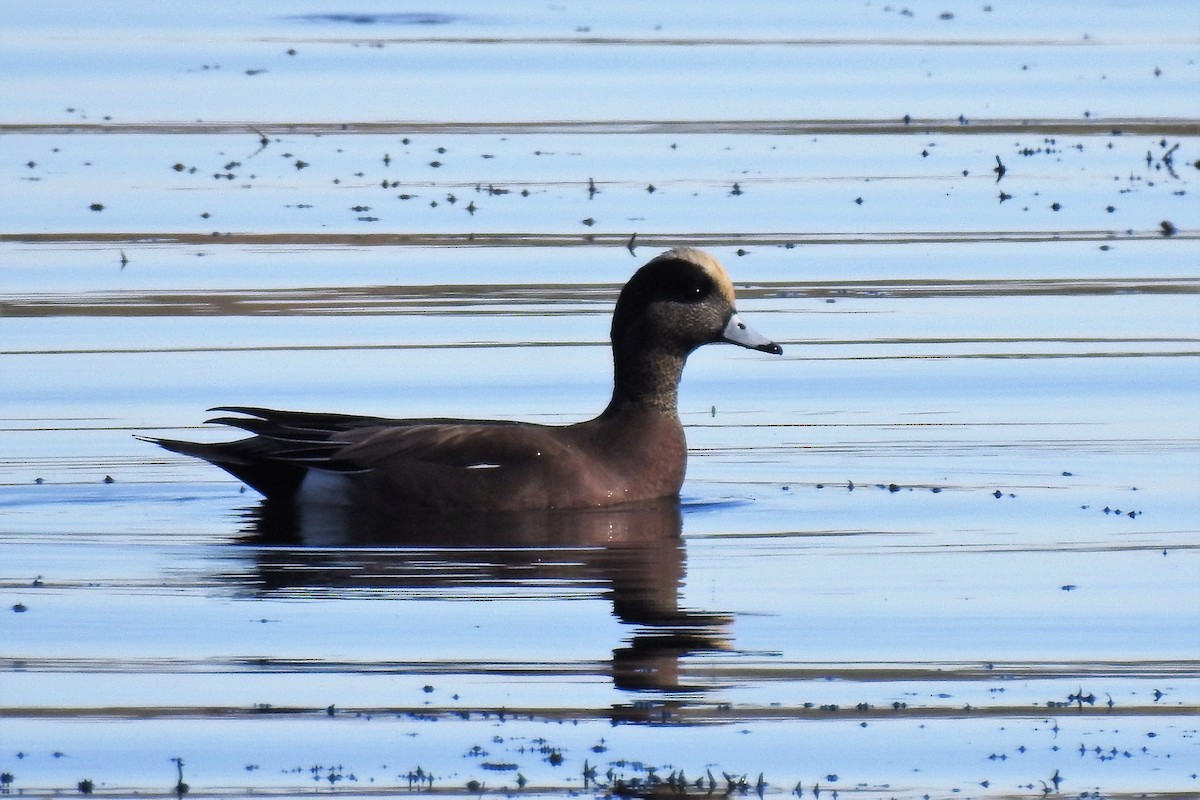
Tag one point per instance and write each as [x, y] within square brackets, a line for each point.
[284, 447]
[249, 460]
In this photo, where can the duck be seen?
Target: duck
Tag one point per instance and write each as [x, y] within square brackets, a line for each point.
[634, 451]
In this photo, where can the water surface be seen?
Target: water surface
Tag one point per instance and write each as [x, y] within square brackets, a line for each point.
[945, 546]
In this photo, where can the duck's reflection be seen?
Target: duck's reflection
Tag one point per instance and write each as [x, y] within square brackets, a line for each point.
[633, 556]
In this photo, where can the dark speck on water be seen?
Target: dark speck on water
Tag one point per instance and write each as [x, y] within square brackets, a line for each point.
[394, 18]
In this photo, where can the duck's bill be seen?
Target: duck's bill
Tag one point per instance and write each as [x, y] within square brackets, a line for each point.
[739, 333]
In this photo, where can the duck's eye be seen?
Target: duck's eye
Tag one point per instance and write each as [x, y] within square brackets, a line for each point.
[690, 288]
[671, 280]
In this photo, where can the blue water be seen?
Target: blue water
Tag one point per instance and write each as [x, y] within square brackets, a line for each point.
[945, 545]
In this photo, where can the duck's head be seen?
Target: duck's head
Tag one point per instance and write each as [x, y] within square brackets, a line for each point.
[679, 301]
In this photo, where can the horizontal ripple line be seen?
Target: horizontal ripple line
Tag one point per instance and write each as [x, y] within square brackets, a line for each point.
[867, 671]
[629, 240]
[480, 345]
[569, 300]
[695, 714]
[702, 41]
[1139, 126]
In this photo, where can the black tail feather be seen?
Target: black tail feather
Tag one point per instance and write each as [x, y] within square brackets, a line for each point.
[245, 459]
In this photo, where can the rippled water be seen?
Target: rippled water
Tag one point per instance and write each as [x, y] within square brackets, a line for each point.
[945, 546]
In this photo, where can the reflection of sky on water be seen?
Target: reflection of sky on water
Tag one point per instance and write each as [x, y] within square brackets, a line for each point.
[193, 64]
[802, 186]
[940, 340]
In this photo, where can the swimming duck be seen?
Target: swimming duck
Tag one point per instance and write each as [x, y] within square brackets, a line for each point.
[634, 451]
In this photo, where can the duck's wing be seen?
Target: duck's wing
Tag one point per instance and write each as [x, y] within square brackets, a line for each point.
[347, 443]
[286, 444]
[458, 465]
[450, 443]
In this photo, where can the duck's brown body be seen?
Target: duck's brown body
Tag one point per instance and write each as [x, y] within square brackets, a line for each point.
[633, 452]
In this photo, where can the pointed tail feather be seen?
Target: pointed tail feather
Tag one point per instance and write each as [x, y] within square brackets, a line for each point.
[242, 459]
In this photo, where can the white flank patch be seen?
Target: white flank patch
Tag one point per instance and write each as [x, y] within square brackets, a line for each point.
[325, 488]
